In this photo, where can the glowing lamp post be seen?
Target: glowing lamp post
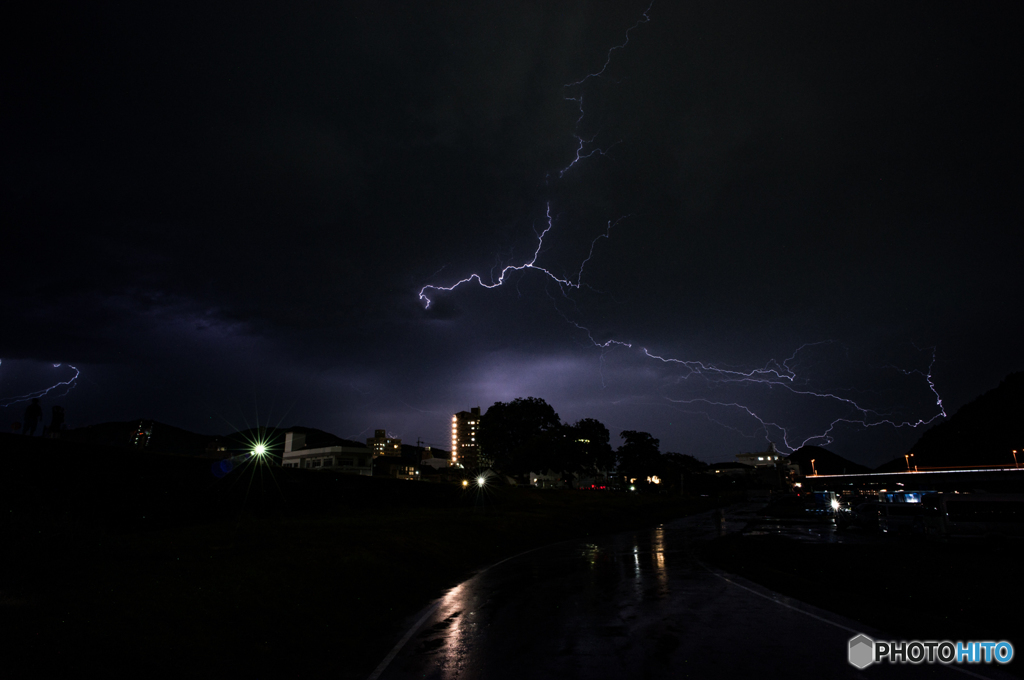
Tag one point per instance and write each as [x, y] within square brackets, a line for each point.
[908, 457]
[813, 471]
[1015, 458]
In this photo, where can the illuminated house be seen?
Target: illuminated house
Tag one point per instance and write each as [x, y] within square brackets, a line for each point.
[770, 466]
[383, 445]
[355, 460]
[465, 433]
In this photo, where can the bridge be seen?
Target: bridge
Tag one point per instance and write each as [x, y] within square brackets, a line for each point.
[990, 478]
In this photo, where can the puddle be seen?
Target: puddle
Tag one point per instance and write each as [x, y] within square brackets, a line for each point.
[816, 530]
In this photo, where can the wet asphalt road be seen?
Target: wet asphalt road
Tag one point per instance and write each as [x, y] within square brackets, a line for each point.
[636, 605]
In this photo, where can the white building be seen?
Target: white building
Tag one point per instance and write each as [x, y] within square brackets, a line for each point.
[356, 460]
[762, 459]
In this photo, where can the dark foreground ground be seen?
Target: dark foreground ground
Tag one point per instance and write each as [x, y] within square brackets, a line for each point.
[637, 605]
[151, 564]
[144, 563]
[908, 588]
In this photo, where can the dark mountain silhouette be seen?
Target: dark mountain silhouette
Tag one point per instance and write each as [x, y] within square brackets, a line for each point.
[984, 432]
[274, 437]
[164, 438]
[825, 462]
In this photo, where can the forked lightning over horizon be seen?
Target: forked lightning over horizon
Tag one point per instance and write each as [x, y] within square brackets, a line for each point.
[773, 374]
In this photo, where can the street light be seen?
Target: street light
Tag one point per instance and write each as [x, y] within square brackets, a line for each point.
[1015, 458]
[812, 467]
[908, 457]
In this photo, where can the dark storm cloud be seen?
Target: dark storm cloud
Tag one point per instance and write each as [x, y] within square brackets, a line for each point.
[197, 191]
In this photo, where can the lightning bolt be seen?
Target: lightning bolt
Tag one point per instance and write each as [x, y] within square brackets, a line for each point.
[644, 18]
[784, 377]
[579, 155]
[577, 99]
[68, 385]
[564, 283]
[773, 374]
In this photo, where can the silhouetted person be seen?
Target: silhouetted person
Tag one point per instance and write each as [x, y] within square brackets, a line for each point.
[33, 414]
[57, 421]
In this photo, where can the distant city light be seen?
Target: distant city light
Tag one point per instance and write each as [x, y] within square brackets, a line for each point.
[480, 481]
[259, 450]
[465, 482]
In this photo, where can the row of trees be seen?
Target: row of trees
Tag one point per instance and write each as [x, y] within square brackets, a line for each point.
[526, 435]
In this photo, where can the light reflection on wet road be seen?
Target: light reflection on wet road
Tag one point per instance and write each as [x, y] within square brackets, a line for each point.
[635, 605]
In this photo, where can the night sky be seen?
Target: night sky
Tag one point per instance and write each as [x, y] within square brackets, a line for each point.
[224, 215]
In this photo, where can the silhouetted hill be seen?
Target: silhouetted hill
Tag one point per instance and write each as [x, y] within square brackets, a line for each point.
[87, 485]
[274, 437]
[164, 438]
[825, 462]
[984, 432]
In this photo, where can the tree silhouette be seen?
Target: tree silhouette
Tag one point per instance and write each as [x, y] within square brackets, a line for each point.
[521, 435]
[586, 447]
[639, 457]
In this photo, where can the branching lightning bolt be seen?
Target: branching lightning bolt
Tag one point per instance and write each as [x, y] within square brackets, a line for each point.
[581, 142]
[644, 18]
[772, 375]
[68, 385]
[563, 283]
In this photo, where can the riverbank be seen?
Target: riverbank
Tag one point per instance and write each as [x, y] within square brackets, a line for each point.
[908, 589]
[141, 562]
